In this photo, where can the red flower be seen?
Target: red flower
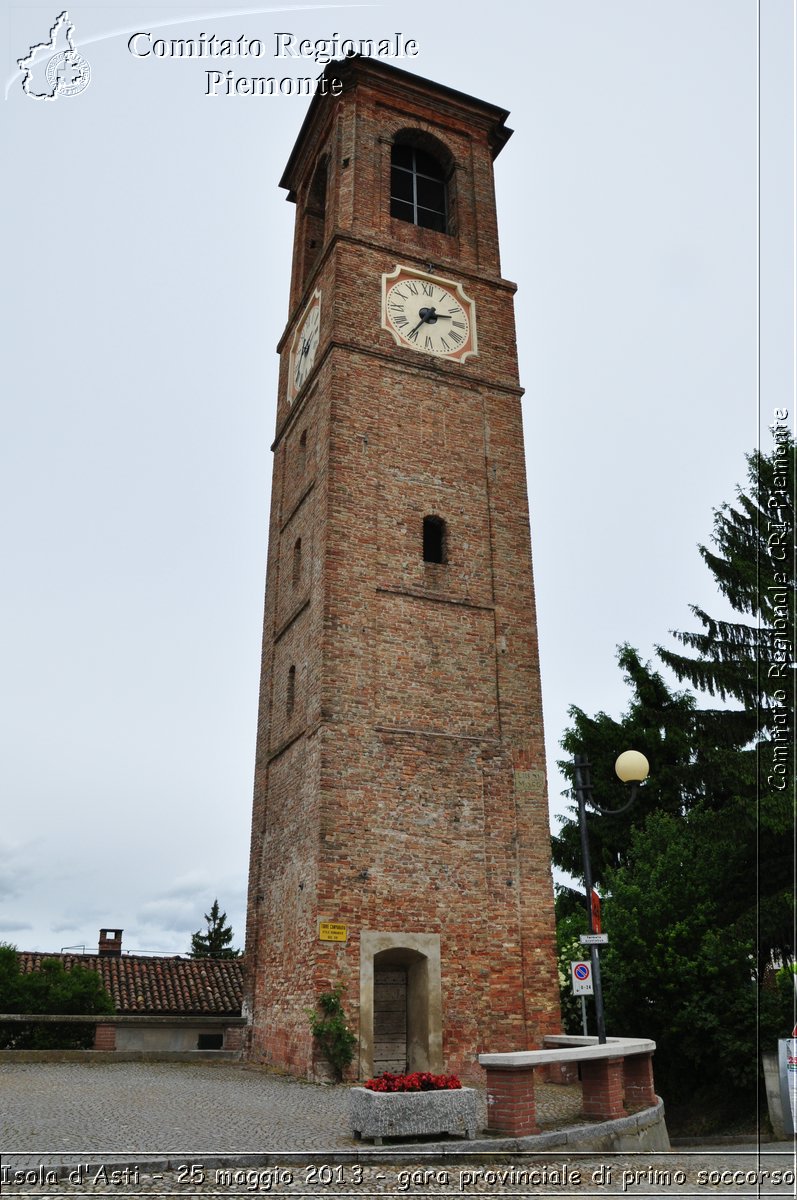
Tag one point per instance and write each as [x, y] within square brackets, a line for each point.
[418, 1081]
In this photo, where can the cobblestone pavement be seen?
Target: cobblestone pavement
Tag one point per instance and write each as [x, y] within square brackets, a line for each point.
[176, 1129]
[168, 1108]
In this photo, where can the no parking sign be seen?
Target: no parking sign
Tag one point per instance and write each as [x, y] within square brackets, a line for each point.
[581, 978]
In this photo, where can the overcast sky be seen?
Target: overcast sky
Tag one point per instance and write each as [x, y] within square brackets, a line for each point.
[147, 266]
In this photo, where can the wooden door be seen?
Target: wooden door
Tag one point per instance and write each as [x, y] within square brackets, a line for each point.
[390, 1022]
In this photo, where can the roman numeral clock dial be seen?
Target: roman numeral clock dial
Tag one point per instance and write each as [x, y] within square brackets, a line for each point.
[304, 347]
[428, 314]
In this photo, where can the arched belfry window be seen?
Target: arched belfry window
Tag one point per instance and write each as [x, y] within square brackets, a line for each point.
[434, 540]
[314, 219]
[418, 186]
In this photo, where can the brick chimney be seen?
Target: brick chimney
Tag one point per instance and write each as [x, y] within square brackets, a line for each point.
[110, 943]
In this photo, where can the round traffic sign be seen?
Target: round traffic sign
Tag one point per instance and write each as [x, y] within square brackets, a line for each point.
[581, 971]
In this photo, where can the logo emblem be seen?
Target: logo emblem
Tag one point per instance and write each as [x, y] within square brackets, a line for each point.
[55, 68]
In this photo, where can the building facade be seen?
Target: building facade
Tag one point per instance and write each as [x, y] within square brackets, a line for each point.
[400, 843]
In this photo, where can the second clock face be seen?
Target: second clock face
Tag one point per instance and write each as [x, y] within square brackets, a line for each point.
[304, 346]
[428, 314]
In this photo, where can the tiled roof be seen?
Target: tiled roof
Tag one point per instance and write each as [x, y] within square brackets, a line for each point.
[181, 986]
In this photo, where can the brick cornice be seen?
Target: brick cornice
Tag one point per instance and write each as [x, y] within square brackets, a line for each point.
[419, 594]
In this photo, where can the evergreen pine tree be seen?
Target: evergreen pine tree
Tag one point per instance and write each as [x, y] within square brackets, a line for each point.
[749, 661]
[214, 942]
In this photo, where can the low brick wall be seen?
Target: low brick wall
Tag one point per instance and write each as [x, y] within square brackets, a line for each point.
[511, 1105]
[616, 1078]
[602, 1088]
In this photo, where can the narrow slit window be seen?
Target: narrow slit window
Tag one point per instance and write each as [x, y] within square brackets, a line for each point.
[290, 698]
[434, 540]
[296, 572]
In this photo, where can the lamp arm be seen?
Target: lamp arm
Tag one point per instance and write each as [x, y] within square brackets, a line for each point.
[613, 812]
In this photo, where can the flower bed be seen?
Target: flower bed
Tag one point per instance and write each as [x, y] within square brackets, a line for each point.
[417, 1105]
[419, 1081]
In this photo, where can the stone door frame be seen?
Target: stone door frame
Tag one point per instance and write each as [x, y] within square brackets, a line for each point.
[420, 954]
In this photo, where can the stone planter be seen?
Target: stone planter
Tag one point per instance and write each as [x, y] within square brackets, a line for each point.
[378, 1115]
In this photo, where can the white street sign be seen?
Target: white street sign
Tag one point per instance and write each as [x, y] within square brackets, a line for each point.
[581, 978]
[594, 939]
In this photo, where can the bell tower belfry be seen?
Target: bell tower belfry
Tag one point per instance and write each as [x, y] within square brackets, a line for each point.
[400, 842]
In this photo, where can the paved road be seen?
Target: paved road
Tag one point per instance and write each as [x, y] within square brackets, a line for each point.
[168, 1129]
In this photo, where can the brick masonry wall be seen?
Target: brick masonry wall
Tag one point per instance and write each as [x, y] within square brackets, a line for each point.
[405, 787]
[638, 1083]
[602, 1088]
[511, 1107]
[105, 1037]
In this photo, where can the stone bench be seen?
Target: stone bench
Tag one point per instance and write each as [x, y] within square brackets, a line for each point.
[615, 1077]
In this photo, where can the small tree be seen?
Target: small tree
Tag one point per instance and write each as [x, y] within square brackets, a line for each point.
[11, 980]
[51, 989]
[214, 942]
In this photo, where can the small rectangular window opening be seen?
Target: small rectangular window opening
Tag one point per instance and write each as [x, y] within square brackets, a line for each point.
[210, 1041]
[434, 540]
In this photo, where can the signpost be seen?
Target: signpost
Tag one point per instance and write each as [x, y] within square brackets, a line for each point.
[581, 976]
[581, 979]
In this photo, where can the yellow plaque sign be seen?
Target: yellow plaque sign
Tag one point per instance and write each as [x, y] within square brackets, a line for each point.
[330, 931]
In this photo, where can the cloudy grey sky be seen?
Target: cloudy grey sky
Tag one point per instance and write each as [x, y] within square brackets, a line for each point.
[147, 264]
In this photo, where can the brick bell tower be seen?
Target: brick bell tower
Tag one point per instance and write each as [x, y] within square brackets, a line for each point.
[400, 840]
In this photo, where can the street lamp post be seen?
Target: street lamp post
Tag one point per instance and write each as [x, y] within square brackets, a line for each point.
[631, 767]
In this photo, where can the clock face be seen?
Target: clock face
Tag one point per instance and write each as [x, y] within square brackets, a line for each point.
[428, 314]
[305, 345]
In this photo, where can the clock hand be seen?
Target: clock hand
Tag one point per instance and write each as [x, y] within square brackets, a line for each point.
[427, 317]
[300, 359]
